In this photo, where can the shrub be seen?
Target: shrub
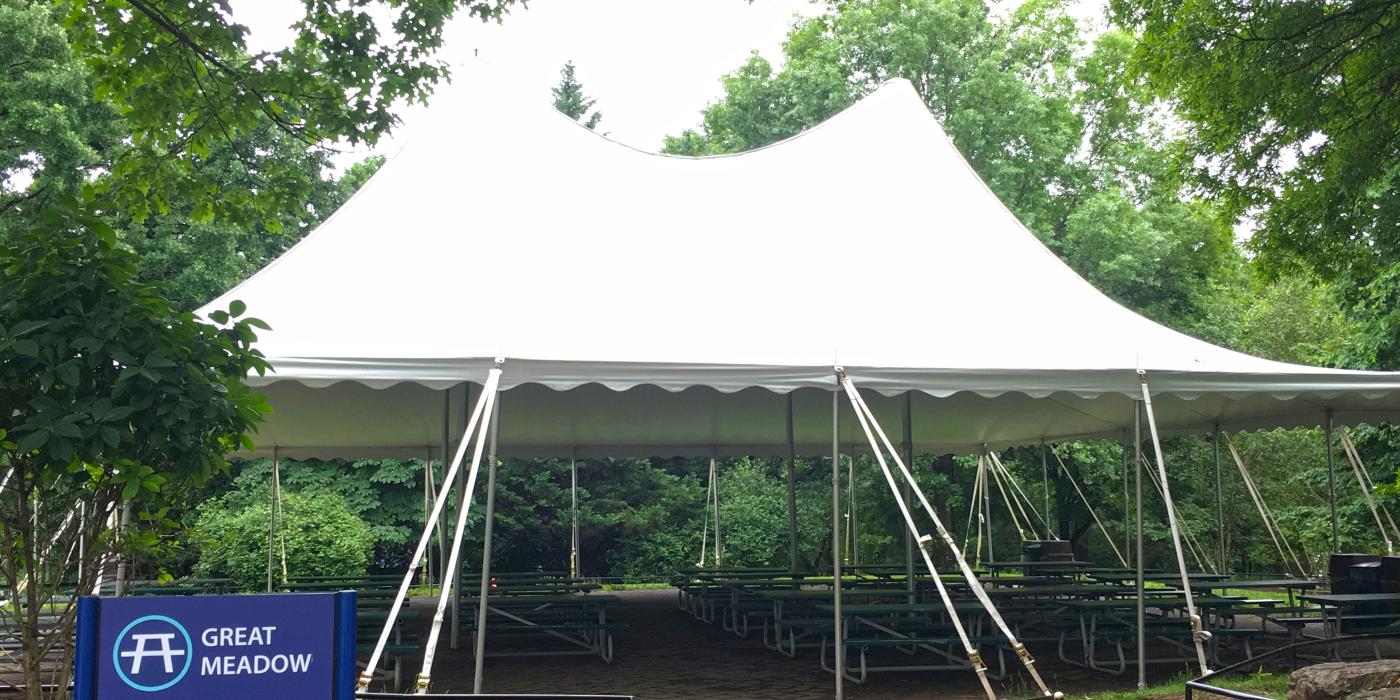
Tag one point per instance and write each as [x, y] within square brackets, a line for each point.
[322, 537]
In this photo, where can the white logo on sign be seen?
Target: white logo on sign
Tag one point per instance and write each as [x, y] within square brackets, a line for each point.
[165, 653]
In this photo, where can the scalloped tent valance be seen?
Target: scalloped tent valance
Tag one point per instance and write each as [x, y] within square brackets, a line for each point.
[650, 304]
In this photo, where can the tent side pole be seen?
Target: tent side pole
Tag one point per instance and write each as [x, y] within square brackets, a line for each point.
[987, 506]
[854, 528]
[1220, 504]
[486, 550]
[271, 521]
[446, 449]
[1127, 501]
[573, 513]
[837, 637]
[791, 490]
[1138, 578]
[456, 572]
[714, 479]
[1045, 476]
[908, 493]
[1331, 482]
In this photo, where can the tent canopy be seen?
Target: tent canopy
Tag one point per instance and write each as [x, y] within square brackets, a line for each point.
[650, 304]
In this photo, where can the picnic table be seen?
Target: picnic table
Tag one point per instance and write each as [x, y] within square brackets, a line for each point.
[579, 620]
[1291, 586]
[1113, 621]
[1068, 567]
[1159, 577]
[1340, 608]
[910, 628]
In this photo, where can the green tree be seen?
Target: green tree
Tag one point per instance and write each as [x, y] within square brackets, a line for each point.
[108, 396]
[569, 98]
[318, 535]
[184, 81]
[1292, 122]
[199, 260]
[53, 135]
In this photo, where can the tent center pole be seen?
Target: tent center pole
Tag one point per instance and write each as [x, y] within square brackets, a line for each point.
[837, 636]
[486, 550]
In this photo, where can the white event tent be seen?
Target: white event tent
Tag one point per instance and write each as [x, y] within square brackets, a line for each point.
[644, 304]
[649, 304]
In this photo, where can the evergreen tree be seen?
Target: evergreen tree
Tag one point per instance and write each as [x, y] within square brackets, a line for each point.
[569, 98]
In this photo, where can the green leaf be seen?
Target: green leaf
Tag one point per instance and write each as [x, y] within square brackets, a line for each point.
[32, 441]
[236, 308]
[68, 374]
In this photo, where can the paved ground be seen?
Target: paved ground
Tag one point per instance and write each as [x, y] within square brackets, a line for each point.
[667, 655]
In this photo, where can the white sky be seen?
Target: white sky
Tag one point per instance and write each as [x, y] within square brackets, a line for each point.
[652, 65]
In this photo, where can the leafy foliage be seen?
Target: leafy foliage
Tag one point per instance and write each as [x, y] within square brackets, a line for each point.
[107, 395]
[319, 533]
[53, 135]
[183, 80]
[1292, 122]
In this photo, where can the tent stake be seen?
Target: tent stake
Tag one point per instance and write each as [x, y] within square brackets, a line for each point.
[837, 637]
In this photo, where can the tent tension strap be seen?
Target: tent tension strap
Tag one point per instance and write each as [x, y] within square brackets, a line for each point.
[868, 422]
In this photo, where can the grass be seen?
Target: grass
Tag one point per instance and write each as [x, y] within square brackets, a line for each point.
[1268, 684]
[634, 586]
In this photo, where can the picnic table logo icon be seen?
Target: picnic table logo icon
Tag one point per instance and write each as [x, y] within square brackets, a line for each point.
[152, 653]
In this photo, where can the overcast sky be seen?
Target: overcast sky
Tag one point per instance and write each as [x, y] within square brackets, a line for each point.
[651, 64]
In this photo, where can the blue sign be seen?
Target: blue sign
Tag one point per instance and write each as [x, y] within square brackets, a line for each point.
[216, 647]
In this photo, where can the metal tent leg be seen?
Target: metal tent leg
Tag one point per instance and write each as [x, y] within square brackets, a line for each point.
[837, 637]
[486, 552]
[793, 561]
[1220, 504]
[1138, 578]
[573, 515]
[1331, 482]
[909, 583]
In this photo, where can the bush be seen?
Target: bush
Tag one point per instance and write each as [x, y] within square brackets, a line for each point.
[321, 535]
